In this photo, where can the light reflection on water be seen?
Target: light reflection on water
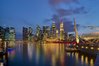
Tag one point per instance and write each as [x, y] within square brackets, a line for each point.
[29, 54]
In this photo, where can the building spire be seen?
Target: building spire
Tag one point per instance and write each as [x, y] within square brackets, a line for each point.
[76, 32]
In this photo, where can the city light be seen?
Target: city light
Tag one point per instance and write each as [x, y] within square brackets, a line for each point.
[92, 48]
[1, 64]
[76, 46]
[82, 47]
[97, 48]
[49, 33]
[86, 47]
[0, 39]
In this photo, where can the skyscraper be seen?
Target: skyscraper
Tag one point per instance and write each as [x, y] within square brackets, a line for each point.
[30, 30]
[27, 33]
[12, 33]
[38, 32]
[61, 31]
[57, 34]
[46, 31]
[53, 30]
[6, 34]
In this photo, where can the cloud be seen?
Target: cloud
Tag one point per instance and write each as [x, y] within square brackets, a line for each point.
[91, 27]
[61, 13]
[55, 18]
[66, 12]
[55, 2]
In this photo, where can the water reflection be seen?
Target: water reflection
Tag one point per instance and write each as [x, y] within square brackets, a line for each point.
[28, 54]
[30, 51]
[91, 62]
[82, 59]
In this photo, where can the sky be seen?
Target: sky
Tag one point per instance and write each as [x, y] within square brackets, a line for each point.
[29, 13]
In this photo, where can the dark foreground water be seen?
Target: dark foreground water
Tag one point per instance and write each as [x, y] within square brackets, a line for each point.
[29, 54]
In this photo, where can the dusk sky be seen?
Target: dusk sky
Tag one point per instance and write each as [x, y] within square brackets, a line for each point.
[19, 13]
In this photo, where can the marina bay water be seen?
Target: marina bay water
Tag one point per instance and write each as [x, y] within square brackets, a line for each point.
[48, 54]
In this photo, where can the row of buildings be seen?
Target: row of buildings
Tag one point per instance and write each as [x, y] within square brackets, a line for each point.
[45, 32]
[41, 33]
[50, 32]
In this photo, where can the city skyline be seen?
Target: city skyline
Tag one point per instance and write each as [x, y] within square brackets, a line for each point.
[34, 12]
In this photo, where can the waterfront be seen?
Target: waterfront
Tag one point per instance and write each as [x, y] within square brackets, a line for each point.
[29, 54]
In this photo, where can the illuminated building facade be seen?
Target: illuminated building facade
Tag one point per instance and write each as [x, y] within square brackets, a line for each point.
[46, 31]
[61, 31]
[7, 34]
[30, 30]
[38, 32]
[53, 30]
[57, 32]
[12, 33]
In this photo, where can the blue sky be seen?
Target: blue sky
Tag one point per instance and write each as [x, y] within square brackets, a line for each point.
[19, 13]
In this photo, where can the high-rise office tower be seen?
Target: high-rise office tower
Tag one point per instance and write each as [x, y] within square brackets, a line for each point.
[30, 30]
[38, 29]
[53, 30]
[61, 31]
[39, 33]
[6, 34]
[46, 31]
[12, 33]
[57, 32]
[27, 33]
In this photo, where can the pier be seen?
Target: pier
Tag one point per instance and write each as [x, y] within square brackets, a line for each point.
[88, 48]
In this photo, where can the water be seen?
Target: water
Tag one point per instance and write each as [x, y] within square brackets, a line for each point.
[28, 54]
